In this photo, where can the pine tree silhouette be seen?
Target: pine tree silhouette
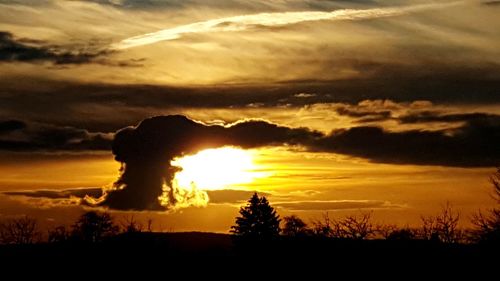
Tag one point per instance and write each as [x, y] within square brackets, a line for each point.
[258, 220]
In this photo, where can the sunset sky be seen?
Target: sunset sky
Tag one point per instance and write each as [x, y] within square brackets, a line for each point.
[321, 105]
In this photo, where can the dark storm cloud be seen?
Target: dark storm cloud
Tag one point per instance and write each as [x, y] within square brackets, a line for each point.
[21, 136]
[147, 150]
[158, 140]
[475, 144]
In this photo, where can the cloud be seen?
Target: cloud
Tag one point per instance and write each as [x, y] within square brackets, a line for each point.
[467, 140]
[226, 4]
[330, 205]
[17, 135]
[12, 49]
[231, 196]
[364, 116]
[276, 19]
[475, 144]
[108, 107]
[11, 125]
[434, 116]
[421, 40]
[51, 198]
[304, 95]
[36, 51]
[146, 152]
[58, 194]
[162, 4]
[223, 196]
[491, 3]
[75, 196]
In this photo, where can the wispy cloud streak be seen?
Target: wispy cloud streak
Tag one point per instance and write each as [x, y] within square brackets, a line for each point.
[244, 22]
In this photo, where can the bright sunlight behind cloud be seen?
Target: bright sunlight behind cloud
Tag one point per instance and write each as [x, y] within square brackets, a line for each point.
[213, 169]
[210, 169]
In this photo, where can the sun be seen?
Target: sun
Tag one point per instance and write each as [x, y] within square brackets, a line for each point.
[213, 169]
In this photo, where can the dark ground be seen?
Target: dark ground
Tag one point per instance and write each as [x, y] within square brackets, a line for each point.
[209, 247]
[211, 256]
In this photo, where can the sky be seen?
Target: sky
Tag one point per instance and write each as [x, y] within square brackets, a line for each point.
[390, 107]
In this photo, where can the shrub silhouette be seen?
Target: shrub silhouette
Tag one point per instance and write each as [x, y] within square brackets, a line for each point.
[495, 181]
[349, 227]
[59, 234]
[131, 225]
[487, 225]
[19, 231]
[402, 234]
[355, 227]
[386, 230]
[94, 227]
[258, 220]
[442, 227]
[323, 227]
[294, 226]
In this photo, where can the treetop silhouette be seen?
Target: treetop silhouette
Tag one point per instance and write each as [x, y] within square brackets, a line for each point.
[258, 220]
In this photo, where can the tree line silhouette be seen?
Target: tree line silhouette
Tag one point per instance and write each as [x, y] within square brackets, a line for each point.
[259, 221]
